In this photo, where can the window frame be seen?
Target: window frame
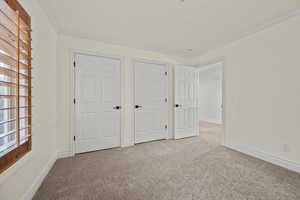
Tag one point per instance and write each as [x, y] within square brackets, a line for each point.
[10, 158]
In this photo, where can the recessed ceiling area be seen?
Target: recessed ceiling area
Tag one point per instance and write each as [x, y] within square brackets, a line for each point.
[179, 28]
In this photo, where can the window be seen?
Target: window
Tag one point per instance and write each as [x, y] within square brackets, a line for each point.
[15, 83]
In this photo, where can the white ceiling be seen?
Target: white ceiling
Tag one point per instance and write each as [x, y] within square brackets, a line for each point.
[168, 26]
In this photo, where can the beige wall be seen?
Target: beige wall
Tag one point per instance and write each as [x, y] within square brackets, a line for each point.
[65, 88]
[262, 99]
[17, 180]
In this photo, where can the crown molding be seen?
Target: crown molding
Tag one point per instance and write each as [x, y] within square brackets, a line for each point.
[171, 58]
[262, 28]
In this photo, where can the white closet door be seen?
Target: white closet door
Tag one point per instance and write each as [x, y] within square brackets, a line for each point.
[186, 96]
[98, 103]
[150, 102]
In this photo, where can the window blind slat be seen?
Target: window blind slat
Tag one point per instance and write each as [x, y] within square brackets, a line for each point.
[8, 36]
[12, 96]
[24, 36]
[13, 108]
[12, 132]
[10, 13]
[12, 84]
[12, 62]
[7, 49]
[24, 47]
[12, 73]
[6, 22]
[14, 119]
[7, 121]
[23, 26]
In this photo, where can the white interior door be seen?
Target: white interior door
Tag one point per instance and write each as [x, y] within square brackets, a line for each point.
[151, 105]
[186, 108]
[97, 103]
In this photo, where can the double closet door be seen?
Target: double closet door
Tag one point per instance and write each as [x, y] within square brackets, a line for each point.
[98, 100]
[150, 101]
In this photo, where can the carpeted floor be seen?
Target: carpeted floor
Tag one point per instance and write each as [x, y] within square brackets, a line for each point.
[189, 169]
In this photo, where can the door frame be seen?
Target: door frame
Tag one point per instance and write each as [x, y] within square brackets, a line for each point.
[203, 65]
[174, 85]
[169, 88]
[73, 113]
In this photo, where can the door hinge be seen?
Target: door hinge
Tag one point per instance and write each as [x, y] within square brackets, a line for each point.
[74, 64]
[166, 127]
[74, 100]
[166, 99]
[74, 137]
[166, 73]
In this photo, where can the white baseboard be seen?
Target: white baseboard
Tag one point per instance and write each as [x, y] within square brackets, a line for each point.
[38, 181]
[214, 121]
[293, 166]
[243, 149]
[64, 154]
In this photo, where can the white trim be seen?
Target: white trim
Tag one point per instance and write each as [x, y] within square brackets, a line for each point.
[124, 45]
[73, 123]
[168, 93]
[98, 54]
[294, 166]
[212, 64]
[204, 66]
[211, 120]
[170, 85]
[64, 154]
[149, 61]
[264, 27]
[39, 179]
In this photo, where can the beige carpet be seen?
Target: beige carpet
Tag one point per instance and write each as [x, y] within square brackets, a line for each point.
[188, 169]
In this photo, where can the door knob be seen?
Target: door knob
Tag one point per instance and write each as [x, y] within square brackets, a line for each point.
[177, 105]
[117, 107]
[137, 106]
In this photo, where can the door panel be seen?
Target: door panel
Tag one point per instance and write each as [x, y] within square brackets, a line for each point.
[97, 93]
[150, 93]
[186, 111]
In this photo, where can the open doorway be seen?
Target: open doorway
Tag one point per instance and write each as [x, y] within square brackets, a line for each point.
[210, 102]
[198, 102]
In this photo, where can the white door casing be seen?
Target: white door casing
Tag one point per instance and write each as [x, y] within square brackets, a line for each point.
[98, 93]
[186, 105]
[150, 101]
